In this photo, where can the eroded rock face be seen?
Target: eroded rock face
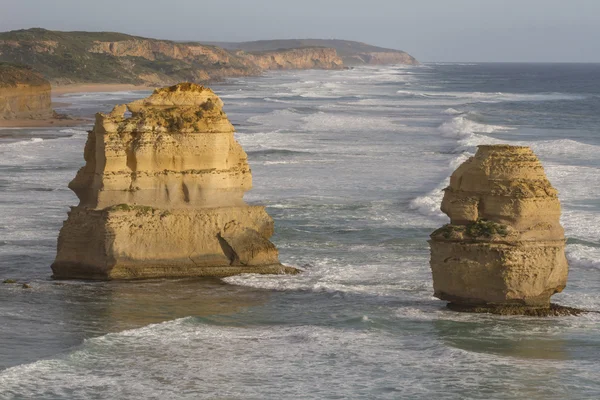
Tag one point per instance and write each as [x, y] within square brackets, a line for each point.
[24, 94]
[304, 58]
[381, 58]
[505, 245]
[161, 195]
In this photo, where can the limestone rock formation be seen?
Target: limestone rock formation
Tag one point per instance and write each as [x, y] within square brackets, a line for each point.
[381, 58]
[24, 94]
[110, 57]
[505, 245]
[351, 53]
[304, 58]
[161, 195]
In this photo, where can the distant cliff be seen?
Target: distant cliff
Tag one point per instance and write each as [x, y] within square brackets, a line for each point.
[351, 53]
[24, 94]
[105, 57]
[108, 57]
[305, 58]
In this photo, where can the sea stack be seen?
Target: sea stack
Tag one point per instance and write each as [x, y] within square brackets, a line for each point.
[504, 249]
[161, 195]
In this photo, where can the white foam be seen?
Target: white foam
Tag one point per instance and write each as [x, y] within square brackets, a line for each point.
[198, 360]
[492, 97]
[20, 143]
[328, 122]
[566, 149]
[452, 111]
[462, 127]
[429, 204]
[286, 119]
[582, 256]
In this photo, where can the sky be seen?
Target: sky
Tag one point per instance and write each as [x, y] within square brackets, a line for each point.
[430, 30]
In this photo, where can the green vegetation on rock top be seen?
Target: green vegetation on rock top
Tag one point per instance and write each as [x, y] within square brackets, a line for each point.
[478, 229]
[13, 74]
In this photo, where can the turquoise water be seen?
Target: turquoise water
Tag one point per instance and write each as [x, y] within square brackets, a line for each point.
[350, 165]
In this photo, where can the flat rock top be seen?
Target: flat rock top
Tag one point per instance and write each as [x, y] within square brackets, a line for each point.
[184, 108]
[12, 75]
[496, 166]
[180, 95]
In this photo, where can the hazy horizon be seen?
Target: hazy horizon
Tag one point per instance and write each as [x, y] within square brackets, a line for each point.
[457, 31]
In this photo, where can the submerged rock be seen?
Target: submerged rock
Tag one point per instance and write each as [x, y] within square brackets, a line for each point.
[161, 195]
[504, 250]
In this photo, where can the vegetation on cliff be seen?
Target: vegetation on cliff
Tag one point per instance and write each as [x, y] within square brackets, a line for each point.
[108, 57]
[352, 53]
[12, 75]
[24, 93]
[71, 57]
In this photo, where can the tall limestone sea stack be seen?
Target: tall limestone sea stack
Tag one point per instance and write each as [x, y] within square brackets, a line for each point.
[504, 249]
[161, 195]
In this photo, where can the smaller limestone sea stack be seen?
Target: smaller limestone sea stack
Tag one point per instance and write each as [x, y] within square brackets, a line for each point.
[161, 195]
[504, 249]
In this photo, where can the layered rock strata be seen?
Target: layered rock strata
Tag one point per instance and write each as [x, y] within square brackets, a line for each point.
[504, 247]
[161, 195]
[24, 94]
[305, 58]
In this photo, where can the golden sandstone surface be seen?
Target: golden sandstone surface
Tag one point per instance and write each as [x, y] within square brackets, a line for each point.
[161, 195]
[24, 94]
[504, 246]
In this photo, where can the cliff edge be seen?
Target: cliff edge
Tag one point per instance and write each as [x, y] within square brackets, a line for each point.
[304, 58]
[161, 195]
[108, 57]
[24, 94]
[351, 53]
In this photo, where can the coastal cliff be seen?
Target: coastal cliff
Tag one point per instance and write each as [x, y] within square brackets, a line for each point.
[104, 57]
[24, 94]
[352, 53]
[114, 58]
[161, 195]
[305, 58]
[504, 246]
[381, 58]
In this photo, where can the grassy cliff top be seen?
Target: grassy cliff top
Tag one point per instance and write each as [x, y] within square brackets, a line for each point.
[69, 57]
[13, 74]
[351, 52]
[343, 47]
[110, 57]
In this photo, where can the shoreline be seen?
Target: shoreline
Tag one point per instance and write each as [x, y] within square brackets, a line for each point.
[97, 87]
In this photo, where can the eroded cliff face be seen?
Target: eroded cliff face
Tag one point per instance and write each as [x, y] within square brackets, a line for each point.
[304, 58]
[161, 195]
[24, 94]
[384, 58]
[504, 245]
[216, 63]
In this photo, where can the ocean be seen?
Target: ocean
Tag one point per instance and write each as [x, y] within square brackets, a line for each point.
[351, 165]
